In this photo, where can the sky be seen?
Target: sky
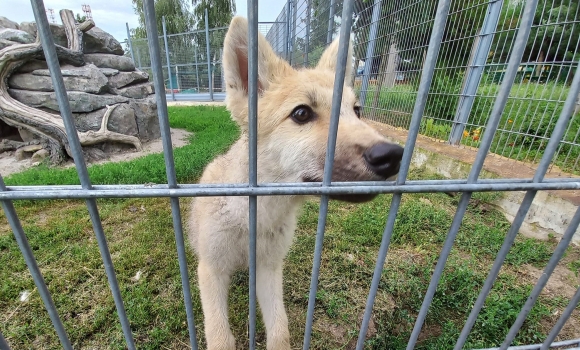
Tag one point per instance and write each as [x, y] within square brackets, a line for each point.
[111, 15]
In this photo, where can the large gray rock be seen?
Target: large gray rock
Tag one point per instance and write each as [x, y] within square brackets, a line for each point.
[109, 72]
[97, 40]
[87, 78]
[32, 65]
[136, 91]
[16, 35]
[5, 43]
[6, 23]
[122, 120]
[123, 79]
[146, 117]
[57, 30]
[103, 60]
[79, 101]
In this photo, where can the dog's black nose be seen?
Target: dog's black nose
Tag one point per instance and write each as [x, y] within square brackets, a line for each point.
[384, 159]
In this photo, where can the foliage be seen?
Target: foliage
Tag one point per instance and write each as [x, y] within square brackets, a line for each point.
[220, 12]
[178, 17]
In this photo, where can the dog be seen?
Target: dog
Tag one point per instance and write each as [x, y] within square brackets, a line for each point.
[293, 121]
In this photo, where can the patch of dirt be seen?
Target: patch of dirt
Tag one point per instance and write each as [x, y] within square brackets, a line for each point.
[179, 137]
[561, 282]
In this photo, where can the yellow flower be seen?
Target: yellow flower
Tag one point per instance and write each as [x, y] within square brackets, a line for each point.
[465, 133]
[510, 121]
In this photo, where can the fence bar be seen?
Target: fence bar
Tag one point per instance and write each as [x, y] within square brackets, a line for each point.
[562, 320]
[209, 75]
[307, 36]
[420, 102]
[3, 343]
[475, 70]
[554, 260]
[537, 346]
[287, 46]
[154, 52]
[167, 59]
[61, 96]
[493, 122]
[343, 55]
[293, 42]
[253, 155]
[330, 22]
[370, 52]
[557, 134]
[129, 41]
[196, 67]
[22, 241]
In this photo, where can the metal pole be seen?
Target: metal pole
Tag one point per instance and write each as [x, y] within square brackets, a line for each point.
[157, 69]
[330, 22]
[293, 42]
[3, 343]
[475, 70]
[370, 52]
[167, 59]
[307, 36]
[196, 66]
[129, 40]
[139, 59]
[287, 46]
[210, 82]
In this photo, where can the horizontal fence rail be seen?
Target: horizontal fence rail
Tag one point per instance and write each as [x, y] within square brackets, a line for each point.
[422, 71]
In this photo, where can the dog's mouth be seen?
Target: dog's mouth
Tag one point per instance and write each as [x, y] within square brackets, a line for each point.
[351, 198]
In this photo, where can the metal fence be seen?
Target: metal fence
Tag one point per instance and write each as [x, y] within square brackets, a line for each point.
[426, 76]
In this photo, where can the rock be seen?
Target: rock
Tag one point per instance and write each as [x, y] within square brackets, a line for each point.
[97, 40]
[24, 152]
[6, 23]
[40, 155]
[122, 120]
[126, 78]
[87, 79]
[146, 117]
[32, 65]
[136, 91]
[94, 154]
[5, 43]
[103, 60]
[57, 30]
[109, 72]
[16, 35]
[79, 101]
[26, 135]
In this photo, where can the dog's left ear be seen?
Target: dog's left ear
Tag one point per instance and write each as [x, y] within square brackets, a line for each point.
[329, 58]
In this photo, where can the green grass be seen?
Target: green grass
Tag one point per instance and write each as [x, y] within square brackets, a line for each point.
[141, 238]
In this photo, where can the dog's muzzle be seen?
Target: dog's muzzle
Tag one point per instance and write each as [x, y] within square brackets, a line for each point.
[384, 159]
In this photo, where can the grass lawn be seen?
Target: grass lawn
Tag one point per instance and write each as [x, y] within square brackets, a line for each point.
[142, 244]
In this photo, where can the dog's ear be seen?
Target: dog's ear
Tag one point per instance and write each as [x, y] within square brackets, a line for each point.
[329, 57]
[235, 59]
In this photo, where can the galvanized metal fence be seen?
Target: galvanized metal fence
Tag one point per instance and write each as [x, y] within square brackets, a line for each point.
[428, 74]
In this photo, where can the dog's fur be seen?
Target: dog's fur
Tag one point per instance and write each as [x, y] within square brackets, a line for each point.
[287, 152]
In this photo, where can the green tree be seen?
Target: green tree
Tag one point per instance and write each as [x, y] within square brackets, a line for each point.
[219, 12]
[178, 17]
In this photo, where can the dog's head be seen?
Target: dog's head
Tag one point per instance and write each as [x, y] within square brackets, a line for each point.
[294, 108]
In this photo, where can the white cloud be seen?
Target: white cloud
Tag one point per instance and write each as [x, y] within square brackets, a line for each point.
[111, 15]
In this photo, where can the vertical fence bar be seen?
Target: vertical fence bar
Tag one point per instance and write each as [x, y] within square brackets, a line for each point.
[498, 107]
[340, 75]
[22, 241]
[551, 147]
[293, 42]
[196, 67]
[129, 41]
[475, 70]
[74, 144]
[287, 30]
[330, 22]
[419, 108]
[370, 51]
[157, 69]
[209, 78]
[167, 59]
[307, 36]
[253, 156]
[3, 343]
[562, 320]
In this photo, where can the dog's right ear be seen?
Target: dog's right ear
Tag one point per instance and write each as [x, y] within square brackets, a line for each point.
[235, 60]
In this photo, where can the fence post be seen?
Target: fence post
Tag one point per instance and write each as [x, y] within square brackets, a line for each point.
[210, 81]
[129, 41]
[370, 52]
[196, 67]
[330, 23]
[293, 42]
[474, 72]
[287, 46]
[167, 58]
[307, 36]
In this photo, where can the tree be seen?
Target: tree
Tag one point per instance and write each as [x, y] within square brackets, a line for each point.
[178, 17]
[219, 12]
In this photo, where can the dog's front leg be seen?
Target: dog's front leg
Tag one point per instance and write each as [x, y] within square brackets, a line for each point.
[269, 291]
[213, 288]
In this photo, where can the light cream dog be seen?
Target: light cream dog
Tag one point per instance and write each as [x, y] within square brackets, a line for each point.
[293, 120]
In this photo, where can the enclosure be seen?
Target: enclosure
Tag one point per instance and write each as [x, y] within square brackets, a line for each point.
[454, 71]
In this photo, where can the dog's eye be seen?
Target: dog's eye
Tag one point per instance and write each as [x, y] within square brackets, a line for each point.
[302, 114]
[357, 111]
